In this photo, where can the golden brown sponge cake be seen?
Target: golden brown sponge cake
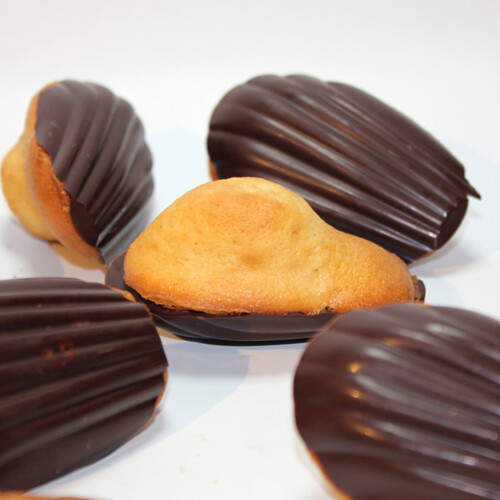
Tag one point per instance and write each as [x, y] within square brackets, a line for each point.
[81, 172]
[248, 245]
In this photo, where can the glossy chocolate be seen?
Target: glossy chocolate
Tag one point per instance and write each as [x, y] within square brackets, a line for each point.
[81, 371]
[365, 168]
[403, 403]
[96, 144]
[236, 328]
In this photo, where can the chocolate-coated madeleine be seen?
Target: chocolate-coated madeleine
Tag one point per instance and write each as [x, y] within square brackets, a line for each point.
[364, 167]
[232, 328]
[247, 246]
[403, 403]
[81, 371]
[81, 171]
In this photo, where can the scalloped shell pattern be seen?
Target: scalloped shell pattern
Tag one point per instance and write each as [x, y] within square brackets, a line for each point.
[97, 147]
[81, 371]
[403, 403]
[364, 167]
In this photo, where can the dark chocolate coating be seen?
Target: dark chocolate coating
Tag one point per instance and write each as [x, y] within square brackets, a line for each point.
[364, 167]
[81, 371]
[96, 144]
[403, 403]
[235, 328]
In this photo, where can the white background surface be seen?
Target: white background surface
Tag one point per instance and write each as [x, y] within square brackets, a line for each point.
[225, 428]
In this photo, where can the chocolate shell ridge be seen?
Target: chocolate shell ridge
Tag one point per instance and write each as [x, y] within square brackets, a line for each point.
[364, 167]
[81, 371]
[403, 403]
[98, 150]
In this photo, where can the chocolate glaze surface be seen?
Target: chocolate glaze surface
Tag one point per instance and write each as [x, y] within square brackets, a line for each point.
[96, 144]
[81, 370]
[236, 328]
[403, 403]
[364, 167]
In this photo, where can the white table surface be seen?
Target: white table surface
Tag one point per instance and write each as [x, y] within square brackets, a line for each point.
[225, 428]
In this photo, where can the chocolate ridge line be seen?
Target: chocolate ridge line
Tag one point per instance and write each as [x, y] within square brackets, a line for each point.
[74, 385]
[21, 342]
[305, 146]
[289, 172]
[297, 115]
[406, 400]
[53, 427]
[58, 393]
[97, 148]
[375, 131]
[282, 131]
